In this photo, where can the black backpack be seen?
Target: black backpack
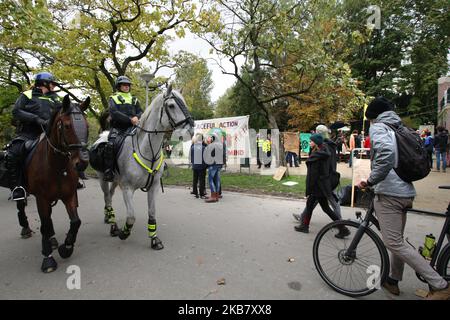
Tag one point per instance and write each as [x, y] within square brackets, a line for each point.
[412, 156]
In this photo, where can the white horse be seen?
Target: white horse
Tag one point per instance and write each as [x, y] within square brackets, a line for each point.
[140, 161]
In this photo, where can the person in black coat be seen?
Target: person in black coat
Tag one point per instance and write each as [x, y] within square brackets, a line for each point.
[198, 167]
[318, 184]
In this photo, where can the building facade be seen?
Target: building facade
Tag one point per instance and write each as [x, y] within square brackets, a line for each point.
[444, 102]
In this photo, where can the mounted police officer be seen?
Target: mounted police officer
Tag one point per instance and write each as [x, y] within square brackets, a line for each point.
[32, 112]
[125, 112]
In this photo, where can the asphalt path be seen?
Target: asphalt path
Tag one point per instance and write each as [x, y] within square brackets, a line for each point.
[249, 241]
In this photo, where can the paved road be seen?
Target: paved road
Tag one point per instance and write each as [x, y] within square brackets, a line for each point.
[245, 239]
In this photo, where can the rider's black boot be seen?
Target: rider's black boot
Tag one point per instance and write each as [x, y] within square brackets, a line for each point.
[109, 163]
[17, 190]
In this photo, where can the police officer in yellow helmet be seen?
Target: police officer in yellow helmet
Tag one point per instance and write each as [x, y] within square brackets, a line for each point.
[125, 112]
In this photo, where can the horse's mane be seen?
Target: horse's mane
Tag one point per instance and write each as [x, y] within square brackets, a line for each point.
[52, 119]
[156, 100]
[146, 114]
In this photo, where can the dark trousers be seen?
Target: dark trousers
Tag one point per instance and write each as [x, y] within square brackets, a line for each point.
[199, 179]
[258, 160]
[292, 158]
[311, 203]
[430, 158]
[14, 163]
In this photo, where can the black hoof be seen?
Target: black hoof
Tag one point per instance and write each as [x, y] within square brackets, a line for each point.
[49, 265]
[65, 252]
[123, 235]
[156, 244]
[54, 243]
[114, 231]
[26, 233]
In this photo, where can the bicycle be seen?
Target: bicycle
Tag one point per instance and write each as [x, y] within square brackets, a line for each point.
[363, 261]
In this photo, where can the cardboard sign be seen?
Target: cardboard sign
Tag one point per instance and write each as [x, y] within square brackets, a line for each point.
[279, 173]
[291, 142]
[361, 171]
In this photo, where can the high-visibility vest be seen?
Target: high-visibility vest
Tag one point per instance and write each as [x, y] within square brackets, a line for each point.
[124, 98]
[266, 146]
[260, 142]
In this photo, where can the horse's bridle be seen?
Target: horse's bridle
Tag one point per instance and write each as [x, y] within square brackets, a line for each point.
[180, 104]
[158, 155]
[77, 118]
[76, 121]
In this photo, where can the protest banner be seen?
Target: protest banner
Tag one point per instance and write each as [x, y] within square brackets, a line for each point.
[235, 132]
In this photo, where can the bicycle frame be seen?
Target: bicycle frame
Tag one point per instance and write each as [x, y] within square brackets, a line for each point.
[369, 218]
[445, 231]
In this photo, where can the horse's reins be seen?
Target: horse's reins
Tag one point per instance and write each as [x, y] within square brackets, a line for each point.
[159, 155]
[68, 147]
[62, 138]
[55, 149]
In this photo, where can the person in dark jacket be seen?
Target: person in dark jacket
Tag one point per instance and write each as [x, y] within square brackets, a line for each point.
[332, 167]
[440, 147]
[32, 112]
[198, 167]
[125, 112]
[318, 184]
[429, 147]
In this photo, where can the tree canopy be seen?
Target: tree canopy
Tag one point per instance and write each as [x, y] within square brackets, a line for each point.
[296, 63]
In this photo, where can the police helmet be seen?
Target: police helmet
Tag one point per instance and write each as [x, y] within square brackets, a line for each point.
[122, 80]
[44, 79]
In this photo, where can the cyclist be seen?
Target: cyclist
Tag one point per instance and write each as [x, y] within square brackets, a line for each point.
[393, 197]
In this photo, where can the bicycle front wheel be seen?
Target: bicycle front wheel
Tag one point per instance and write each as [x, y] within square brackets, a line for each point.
[354, 275]
[443, 263]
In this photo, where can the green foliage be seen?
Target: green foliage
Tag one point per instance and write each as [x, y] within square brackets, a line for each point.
[8, 96]
[237, 101]
[194, 78]
[404, 59]
[290, 48]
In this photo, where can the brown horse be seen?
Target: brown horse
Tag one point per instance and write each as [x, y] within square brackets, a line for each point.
[52, 175]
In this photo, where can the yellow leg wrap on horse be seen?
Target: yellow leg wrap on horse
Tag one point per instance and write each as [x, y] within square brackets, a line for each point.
[151, 230]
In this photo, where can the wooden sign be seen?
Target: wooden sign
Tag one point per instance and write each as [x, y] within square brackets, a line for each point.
[291, 142]
[361, 171]
[279, 173]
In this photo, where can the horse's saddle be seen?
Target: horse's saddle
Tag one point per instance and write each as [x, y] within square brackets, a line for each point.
[28, 151]
[96, 153]
[30, 148]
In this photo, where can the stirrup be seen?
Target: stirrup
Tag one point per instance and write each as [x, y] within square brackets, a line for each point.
[20, 197]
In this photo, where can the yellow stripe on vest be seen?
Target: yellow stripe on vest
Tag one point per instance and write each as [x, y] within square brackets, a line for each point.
[28, 94]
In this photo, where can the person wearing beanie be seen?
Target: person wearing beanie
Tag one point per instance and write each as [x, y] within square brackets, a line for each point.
[317, 139]
[333, 200]
[377, 106]
[393, 198]
[318, 184]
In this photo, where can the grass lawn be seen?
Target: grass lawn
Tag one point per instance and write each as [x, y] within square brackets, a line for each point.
[251, 183]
